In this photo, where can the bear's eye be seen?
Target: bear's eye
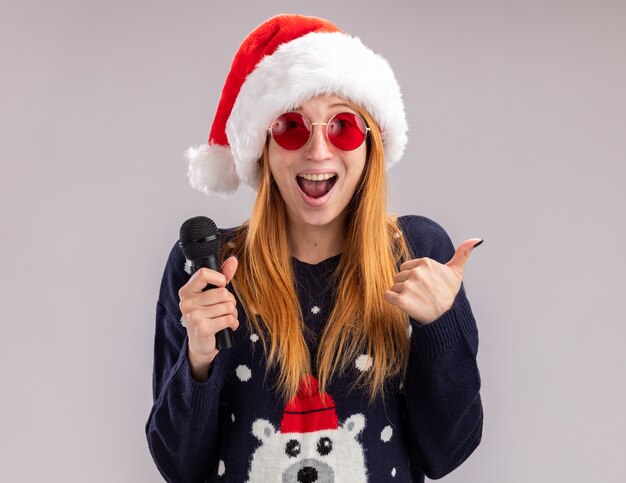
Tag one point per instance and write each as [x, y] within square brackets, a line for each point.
[324, 446]
[292, 448]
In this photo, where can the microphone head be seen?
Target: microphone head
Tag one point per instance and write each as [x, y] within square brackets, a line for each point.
[199, 238]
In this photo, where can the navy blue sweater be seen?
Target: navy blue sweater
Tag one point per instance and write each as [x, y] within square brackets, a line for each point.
[234, 428]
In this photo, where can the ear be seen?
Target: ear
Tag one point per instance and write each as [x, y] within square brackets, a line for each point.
[263, 430]
[354, 424]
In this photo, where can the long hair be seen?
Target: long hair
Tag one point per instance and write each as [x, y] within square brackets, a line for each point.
[361, 322]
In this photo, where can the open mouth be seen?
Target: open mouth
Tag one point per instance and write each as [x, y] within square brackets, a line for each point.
[316, 186]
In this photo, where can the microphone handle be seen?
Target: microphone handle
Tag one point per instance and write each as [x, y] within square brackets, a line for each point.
[224, 337]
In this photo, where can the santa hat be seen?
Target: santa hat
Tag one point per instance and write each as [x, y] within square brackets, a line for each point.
[284, 62]
[309, 411]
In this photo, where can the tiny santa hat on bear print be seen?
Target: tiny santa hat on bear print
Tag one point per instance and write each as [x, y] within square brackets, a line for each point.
[309, 411]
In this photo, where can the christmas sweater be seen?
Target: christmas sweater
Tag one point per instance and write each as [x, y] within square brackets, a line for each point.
[234, 428]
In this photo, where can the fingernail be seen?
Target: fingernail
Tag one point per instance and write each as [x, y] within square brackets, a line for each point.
[481, 240]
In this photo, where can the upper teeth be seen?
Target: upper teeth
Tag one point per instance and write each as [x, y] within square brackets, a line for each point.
[317, 177]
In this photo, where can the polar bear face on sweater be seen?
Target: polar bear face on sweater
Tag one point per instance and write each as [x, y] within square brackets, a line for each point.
[325, 456]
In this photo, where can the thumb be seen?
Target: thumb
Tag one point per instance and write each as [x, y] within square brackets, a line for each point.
[229, 267]
[458, 261]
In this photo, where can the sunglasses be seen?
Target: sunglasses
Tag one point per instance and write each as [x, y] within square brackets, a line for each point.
[345, 130]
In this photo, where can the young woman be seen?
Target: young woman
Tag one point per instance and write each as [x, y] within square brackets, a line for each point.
[355, 345]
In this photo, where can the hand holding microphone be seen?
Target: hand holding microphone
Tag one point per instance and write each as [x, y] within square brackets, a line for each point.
[208, 308]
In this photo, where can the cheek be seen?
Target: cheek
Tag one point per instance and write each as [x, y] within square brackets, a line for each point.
[279, 169]
[271, 149]
[271, 157]
[276, 164]
[357, 167]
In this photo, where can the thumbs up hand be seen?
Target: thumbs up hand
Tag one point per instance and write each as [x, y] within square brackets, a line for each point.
[425, 288]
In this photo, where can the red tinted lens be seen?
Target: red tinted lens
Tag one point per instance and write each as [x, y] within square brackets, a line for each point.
[291, 130]
[346, 131]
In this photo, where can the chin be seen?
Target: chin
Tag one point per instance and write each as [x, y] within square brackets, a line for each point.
[320, 219]
[317, 220]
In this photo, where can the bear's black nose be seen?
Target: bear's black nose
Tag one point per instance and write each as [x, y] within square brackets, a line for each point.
[308, 474]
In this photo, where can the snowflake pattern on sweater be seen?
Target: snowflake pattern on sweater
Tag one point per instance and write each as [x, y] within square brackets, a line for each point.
[233, 427]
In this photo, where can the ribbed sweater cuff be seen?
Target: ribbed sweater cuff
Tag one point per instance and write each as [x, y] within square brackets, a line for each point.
[198, 396]
[434, 339]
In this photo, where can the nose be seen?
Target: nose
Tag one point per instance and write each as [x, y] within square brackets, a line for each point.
[308, 474]
[318, 147]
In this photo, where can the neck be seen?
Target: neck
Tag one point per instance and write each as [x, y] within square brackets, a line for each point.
[312, 244]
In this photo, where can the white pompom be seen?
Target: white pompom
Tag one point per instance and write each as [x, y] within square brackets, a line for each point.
[212, 170]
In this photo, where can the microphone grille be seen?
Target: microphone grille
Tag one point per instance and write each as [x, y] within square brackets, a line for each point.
[199, 238]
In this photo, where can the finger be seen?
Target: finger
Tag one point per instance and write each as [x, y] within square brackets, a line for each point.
[213, 326]
[224, 322]
[201, 278]
[404, 275]
[397, 287]
[393, 298]
[211, 312]
[191, 301]
[212, 296]
[458, 261]
[410, 264]
[229, 267]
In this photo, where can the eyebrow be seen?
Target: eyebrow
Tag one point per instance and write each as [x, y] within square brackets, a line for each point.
[337, 104]
[341, 104]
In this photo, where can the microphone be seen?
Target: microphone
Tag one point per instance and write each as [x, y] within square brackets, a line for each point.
[200, 242]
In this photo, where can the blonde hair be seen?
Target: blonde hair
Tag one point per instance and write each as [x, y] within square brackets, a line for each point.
[361, 321]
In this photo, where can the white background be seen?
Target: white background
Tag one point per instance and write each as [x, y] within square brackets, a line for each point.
[517, 115]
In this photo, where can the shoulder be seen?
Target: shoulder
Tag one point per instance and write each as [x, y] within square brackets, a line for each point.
[426, 237]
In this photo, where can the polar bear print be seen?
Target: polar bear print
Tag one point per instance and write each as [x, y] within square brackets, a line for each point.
[310, 446]
[326, 456]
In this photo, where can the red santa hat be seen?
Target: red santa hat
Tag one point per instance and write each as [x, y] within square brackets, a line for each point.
[309, 411]
[284, 62]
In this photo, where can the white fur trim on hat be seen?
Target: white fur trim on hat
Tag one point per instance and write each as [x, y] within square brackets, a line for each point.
[314, 64]
[212, 170]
